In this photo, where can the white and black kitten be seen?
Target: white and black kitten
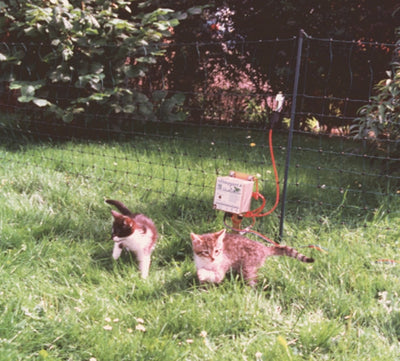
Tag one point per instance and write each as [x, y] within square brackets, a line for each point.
[135, 232]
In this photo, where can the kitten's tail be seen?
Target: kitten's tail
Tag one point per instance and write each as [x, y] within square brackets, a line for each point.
[290, 252]
[121, 207]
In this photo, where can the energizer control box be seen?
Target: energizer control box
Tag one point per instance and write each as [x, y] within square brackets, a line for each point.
[233, 195]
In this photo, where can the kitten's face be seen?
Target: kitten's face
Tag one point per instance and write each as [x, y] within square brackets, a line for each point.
[123, 226]
[208, 246]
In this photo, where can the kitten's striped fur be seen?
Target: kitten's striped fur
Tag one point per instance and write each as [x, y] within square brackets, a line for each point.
[216, 253]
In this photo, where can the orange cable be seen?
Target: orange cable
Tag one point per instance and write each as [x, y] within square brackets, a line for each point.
[256, 213]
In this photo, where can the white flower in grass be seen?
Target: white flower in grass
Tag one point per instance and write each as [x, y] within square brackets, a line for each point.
[258, 355]
[203, 334]
[107, 327]
[140, 327]
[140, 324]
[384, 301]
[107, 319]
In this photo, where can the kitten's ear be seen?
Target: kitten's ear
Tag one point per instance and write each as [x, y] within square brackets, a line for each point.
[220, 234]
[195, 237]
[115, 214]
[220, 239]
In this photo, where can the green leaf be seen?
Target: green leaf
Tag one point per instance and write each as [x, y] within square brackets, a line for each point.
[67, 54]
[162, 26]
[197, 10]
[181, 16]
[60, 75]
[155, 15]
[135, 72]
[179, 98]
[140, 98]
[91, 31]
[94, 80]
[41, 102]
[68, 117]
[130, 108]
[146, 109]
[97, 68]
[78, 110]
[98, 96]
[169, 109]
[28, 90]
[67, 24]
[92, 21]
[159, 95]
[17, 84]
[121, 24]
[146, 59]
[25, 99]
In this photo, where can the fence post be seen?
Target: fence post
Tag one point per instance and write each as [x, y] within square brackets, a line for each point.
[291, 128]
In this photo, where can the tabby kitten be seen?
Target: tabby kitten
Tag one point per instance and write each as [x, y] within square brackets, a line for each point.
[217, 253]
[135, 232]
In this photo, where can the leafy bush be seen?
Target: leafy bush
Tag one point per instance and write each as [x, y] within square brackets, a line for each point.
[380, 119]
[67, 56]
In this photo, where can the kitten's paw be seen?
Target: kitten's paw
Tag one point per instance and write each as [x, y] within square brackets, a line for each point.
[116, 251]
[206, 275]
[202, 275]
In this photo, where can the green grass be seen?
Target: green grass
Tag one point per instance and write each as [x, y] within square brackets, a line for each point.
[64, 298]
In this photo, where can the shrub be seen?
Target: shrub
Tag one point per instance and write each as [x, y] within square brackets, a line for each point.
[380, 119]
[67, 57]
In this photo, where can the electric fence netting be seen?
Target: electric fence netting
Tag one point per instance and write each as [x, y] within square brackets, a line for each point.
[329, 170]
[206, 109]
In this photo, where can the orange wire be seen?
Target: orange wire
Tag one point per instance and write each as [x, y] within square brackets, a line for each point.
[387, 261]
[248, 230]
[256, 213]
[263, 237]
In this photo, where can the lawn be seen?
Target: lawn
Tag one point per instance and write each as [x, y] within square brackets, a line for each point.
[64, 298]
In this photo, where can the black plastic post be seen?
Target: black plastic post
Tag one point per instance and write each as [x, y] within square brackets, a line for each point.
[290, 137]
